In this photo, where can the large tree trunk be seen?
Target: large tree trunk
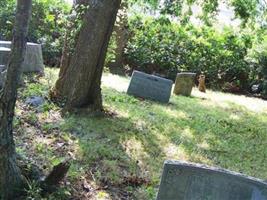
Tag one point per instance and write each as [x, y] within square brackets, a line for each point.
[81, 71]
[10, 176]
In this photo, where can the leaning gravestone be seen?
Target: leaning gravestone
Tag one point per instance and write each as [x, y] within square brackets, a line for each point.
[188, 181]
[33, 61]
[150, 87]
[184, 83]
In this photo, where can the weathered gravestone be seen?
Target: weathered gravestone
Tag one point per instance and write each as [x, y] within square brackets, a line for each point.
[187, 181]
[33, 61]
[184, 83]
[4, 55]
[150, 87]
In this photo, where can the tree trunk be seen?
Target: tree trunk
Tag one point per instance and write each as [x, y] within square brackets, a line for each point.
[121, 36]
[10, 176]
[80, 74]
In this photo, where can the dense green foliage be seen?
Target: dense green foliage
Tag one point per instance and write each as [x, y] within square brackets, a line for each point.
[47, 25]
[169, 43]
[158, 45]
[167, 48]
[258, 55]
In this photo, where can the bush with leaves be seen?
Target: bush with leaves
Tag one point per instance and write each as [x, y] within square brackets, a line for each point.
[157, 45]
[258, 56]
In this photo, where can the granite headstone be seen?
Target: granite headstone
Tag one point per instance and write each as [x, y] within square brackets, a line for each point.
[33, 61]
[150, 87]
[188, 181]
[184, 83]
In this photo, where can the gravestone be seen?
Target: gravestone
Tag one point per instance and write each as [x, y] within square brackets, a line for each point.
[2, 78]
[184, 83]
[2, 75]
[150, 87]
[188, 181]
[33, 61]
[2, 68]
[4, 55]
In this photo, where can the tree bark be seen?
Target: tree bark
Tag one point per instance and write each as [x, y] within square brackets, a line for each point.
[80, 75]
[121, 35]
[10, 175]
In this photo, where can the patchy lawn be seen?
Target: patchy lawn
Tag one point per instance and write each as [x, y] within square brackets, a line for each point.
[120, 155]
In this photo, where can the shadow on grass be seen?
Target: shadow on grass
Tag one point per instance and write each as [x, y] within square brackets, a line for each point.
[230, 136]
[115, 153]
[124, 153]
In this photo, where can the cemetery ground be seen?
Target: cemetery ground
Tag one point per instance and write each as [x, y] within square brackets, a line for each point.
[120, 154]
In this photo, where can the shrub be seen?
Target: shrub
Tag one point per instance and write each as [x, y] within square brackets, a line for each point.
[158, 45]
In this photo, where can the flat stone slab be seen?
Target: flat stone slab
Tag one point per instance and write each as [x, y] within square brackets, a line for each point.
[33, 61]
[188, 181]
[150, 87]
[35, 101]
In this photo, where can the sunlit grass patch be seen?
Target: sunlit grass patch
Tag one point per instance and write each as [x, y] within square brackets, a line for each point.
[123, 153]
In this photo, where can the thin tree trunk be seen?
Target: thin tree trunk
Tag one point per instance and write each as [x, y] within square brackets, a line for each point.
[80, 78]
[10, 175]
[121, 35]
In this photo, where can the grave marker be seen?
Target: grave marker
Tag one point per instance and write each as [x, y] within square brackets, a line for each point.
[188, 181]
[184, 83]
[4, 55]
[33, 61]
[150, 87]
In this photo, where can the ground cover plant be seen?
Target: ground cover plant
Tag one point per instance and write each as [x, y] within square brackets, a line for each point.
[119, 154]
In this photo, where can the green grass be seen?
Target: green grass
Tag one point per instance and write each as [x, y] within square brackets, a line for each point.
[136, 137]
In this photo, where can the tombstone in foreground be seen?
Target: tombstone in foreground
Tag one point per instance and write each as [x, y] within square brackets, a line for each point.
[33, 61]
[150, 87]
[188, 181]
[184, 83]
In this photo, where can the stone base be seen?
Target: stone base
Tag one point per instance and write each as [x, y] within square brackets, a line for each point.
[2, 78]
[33, 61]
[3, 72]
[4, 55]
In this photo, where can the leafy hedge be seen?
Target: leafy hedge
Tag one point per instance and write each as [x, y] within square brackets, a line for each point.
[258, 56]
[157, 45]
